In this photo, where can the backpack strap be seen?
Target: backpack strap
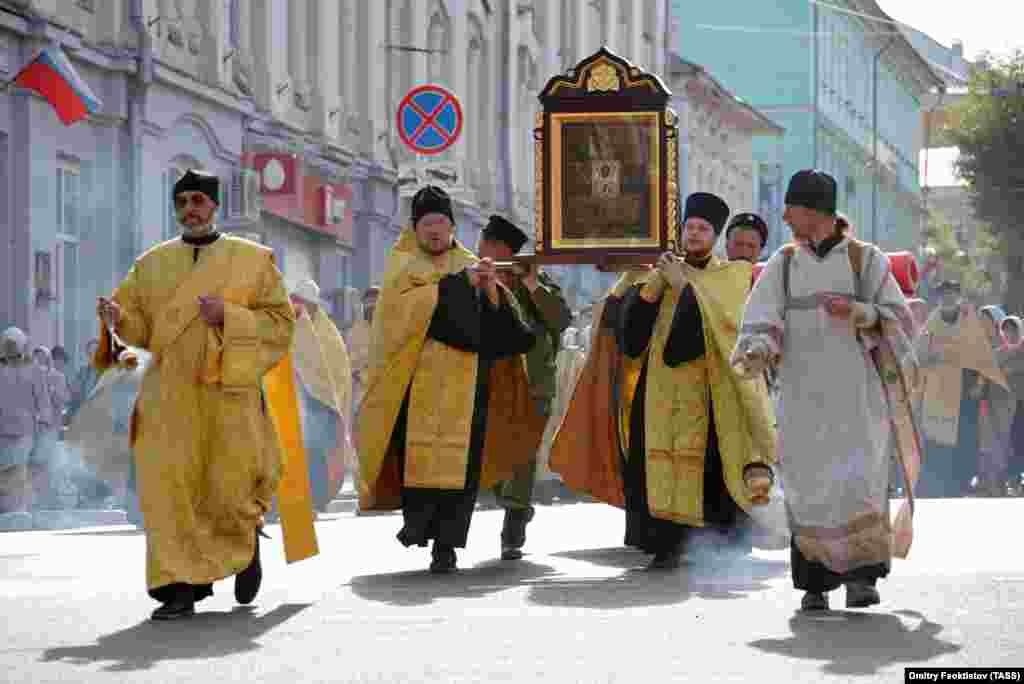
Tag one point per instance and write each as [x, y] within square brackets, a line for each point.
[787, 258]
[855, 250]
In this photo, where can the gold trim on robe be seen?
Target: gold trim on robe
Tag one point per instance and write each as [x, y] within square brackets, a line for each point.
[677, 401]
[443, 385]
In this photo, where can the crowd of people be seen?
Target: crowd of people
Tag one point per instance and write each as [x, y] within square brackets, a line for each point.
[38, 401]
[215, 397]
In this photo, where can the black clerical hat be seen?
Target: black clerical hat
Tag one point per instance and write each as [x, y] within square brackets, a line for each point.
[500, 229]
[711, 208]
[752, 221]
[431, 199]
[197, 181]
[812, 189]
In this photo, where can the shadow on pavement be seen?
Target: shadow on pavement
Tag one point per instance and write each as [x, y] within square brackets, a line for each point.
[699, 576]
[419, 587]
[210, 634]
[854, 643]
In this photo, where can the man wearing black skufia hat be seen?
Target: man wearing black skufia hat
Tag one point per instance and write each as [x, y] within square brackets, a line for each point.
[813, 311]
[957, 362]
[545, 310]
[213, 311]
[685, 482]
[745, 237]
[446, 410]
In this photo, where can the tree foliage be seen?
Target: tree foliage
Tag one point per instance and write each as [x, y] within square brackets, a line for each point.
[989, 133]
[971, 269]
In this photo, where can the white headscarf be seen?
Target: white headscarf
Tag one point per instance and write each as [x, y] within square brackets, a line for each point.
[17, 338]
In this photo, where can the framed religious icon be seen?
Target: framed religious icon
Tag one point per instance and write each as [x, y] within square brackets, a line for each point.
[606, 164]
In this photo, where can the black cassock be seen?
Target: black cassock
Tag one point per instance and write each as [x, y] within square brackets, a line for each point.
[685, 343]
[465, 320]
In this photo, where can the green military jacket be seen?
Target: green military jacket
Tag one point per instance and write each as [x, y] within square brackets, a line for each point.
[548, 314]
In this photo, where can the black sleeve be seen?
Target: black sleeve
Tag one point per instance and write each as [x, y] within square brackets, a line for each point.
[505, 333]
[456, 320]
[636, 322]
[686, 339]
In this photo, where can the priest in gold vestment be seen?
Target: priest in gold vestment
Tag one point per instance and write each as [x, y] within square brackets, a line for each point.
[447, 407]
[214, 313]
[698, 435]
[324, 386]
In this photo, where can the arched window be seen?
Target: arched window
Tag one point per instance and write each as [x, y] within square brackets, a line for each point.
[478, 82]
[399, 33]
[439, 41]
[527, 106]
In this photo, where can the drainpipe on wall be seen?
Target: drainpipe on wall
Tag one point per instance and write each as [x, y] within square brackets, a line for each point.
[136, 100]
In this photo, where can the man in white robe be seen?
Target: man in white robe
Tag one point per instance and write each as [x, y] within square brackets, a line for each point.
[840, 408]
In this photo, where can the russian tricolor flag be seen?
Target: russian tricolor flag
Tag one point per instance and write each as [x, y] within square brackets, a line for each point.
[51, 75]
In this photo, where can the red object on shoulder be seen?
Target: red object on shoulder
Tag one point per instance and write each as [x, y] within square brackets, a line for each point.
[904, 269]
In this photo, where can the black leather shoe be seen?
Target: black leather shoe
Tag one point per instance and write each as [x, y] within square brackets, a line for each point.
[860, 595]
[247, 582]
[183, 605]
[444, 560]
[813, 602]
[665, 560]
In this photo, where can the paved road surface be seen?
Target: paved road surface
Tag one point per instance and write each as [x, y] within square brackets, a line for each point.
[578, 609]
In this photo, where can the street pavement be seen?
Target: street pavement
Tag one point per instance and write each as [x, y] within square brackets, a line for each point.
[578, 608]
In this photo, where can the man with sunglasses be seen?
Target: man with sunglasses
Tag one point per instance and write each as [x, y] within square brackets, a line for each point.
[214, 313]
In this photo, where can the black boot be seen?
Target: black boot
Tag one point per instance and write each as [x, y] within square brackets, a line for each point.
[513, 532]
[182, 605]
[247, 582]
[443, 559]
[861, 595]
[665, 560]
[814, 601]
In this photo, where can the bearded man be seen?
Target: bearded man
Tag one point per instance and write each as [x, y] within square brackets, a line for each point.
[213, 311]
[830, 313]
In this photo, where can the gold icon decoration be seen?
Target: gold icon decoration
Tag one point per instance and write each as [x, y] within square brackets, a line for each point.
[605, 167]
[672, 182]
[603, 78]
[538, 182]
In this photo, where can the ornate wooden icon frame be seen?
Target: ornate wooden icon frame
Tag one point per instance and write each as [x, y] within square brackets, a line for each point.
[605, 88]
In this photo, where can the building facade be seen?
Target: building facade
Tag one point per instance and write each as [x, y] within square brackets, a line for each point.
[846, 86]
[292, 104]
[716, 153]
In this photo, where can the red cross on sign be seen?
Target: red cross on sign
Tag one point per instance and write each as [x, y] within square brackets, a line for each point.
[429, 119]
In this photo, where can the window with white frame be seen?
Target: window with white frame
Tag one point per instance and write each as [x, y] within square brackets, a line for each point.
[68, 267]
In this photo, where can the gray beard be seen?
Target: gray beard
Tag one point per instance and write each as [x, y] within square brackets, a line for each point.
[197, 231]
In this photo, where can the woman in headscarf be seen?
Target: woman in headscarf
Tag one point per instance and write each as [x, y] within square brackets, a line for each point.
[21, 402]
[1010, 357]
[996, 414]
[50, 419]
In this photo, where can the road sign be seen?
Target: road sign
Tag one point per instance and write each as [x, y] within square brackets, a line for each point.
[429, 119]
